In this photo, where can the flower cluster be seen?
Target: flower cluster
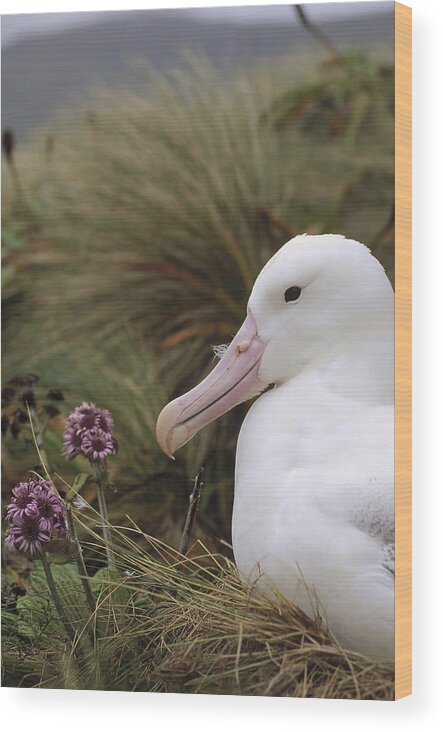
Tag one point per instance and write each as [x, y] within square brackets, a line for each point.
[35, 516]
[21, 393]
[89, 433]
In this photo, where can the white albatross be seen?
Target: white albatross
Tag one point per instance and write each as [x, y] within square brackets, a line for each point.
[314, 479]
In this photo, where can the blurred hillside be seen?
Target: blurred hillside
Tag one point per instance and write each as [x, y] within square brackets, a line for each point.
[44, 71]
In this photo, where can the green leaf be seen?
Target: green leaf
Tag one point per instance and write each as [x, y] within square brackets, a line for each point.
[110, 582]
[80, 481]
[113, 597]
[37, 617]
[53, 439]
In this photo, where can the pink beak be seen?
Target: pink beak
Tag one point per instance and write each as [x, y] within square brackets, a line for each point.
[232, 381]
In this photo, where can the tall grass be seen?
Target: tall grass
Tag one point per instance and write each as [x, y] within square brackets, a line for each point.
[155, 213]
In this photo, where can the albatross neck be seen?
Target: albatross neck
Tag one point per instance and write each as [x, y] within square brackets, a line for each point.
[359, 367]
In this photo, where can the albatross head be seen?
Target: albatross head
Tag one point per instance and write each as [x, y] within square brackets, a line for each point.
[316, 298]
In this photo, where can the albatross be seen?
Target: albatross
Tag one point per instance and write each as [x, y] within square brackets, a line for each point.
[313, 515]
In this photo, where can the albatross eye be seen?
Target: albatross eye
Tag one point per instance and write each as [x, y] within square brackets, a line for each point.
[292, 293]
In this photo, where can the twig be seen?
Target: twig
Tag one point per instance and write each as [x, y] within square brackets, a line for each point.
[194, 500]
[104, 514]
[316, 32]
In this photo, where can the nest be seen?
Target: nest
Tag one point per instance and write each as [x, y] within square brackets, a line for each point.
[197, 628]
[165, 622]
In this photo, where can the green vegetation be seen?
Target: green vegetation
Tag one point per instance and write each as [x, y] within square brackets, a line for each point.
[131, 244]
[150, 219]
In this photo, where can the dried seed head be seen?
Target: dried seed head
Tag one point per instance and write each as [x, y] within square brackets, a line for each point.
[55, 394]
[21, 416]
[16, 428]
[8, 393]
[28, 397]
[26, 380]
[51, 411]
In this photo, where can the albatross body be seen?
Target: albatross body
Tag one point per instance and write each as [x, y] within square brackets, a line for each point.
[313, 509]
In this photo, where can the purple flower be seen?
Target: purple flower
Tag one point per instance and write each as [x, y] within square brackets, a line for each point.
[9, 541]
[26, 533]
[72, 442]
[22, 500]
[89, 433]
[87, 421]
[104, 420]
[84, 410]
[35, 515]
[48, 505]
[60, 527]
[97, 444]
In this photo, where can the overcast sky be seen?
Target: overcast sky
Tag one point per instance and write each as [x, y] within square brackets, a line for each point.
[16, 27]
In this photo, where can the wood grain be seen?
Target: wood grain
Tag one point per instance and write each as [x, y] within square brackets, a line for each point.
[403, 349]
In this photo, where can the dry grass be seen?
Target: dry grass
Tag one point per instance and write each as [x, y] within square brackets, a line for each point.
[179, 624]
[217, 637]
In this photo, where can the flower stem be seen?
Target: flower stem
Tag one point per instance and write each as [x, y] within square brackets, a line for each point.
[103, 513]
[84, 578]
[56, 598]
[72, 532]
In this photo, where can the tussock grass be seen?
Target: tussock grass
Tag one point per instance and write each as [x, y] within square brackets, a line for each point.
[154, 213]
[188, 624]
[161, 207]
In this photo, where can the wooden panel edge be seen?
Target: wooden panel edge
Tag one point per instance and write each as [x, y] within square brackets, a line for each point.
[403, 351]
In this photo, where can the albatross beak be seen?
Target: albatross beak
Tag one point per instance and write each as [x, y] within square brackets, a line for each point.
[232, 381]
